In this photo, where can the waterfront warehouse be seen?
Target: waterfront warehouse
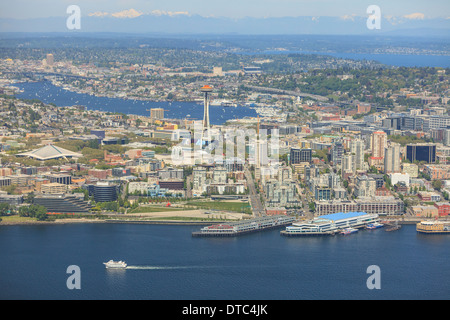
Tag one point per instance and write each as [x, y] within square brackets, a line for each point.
[330, 224]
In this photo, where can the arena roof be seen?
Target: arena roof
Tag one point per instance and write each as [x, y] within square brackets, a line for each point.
[49, 152]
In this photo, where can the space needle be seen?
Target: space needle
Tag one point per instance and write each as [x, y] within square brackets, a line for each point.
[205, 124]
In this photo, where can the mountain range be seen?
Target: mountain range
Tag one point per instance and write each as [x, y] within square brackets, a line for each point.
[133, 21]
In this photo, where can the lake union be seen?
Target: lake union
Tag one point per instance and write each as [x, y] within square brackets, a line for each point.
[49, 93]
[167, 263]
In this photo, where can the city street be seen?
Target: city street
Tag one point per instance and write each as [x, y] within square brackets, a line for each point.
[255, 201]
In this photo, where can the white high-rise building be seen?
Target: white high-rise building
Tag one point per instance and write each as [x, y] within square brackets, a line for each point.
[365, 186]
[392, 158]
[357, 149]
[199, 178]
[220, 175]
[348, 163]
[447, 137]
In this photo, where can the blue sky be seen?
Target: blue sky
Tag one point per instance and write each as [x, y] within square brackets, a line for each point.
[229, 8]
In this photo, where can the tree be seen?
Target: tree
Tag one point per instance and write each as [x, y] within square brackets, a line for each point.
[5, 209]
[29, 198]
[41, 216]
[437, 184]
[34, 211]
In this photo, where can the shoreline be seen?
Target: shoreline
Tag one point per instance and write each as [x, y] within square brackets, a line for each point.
[112, 221]
[161, 221]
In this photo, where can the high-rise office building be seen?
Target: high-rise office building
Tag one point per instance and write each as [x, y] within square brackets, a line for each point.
[50, 60]
[106, 192]
[421, 152]
[337, 151]
[59, 178]
[300, 155]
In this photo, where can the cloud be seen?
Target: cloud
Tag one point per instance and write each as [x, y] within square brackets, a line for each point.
[98, 14]
[169, 13]
[348, 17]
[415, 16]
[131, 13]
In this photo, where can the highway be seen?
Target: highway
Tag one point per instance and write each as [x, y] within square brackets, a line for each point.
[280, 91]
[255, 200]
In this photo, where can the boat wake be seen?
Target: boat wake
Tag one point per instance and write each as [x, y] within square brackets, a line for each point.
[161, 267]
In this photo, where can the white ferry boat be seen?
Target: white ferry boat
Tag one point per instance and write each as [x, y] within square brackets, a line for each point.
[374, 225]
[349, 231]
[115, 264]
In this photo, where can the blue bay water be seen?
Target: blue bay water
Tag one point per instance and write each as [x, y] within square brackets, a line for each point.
[49, 93]
[168, 264]
[396, 60]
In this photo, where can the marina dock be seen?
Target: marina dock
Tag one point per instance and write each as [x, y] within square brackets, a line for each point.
[245, 226]
[310, 233]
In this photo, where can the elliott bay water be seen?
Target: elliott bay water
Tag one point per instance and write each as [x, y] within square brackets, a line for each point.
[167, 263]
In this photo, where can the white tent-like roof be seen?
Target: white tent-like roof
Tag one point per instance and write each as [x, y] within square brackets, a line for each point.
[49, 152]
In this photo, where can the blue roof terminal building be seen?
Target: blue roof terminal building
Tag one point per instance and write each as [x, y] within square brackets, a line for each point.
[330, 224]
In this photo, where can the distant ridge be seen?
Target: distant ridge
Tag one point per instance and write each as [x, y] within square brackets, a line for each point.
[132, 21]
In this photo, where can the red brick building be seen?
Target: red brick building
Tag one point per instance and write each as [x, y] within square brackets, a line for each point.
[443, 208]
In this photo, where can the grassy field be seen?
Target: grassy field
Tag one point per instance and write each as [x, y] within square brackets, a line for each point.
[16, 219]
[145, 209]
[242, 207]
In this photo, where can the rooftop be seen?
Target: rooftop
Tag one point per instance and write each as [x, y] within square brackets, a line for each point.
[50, 152]
[342, 215]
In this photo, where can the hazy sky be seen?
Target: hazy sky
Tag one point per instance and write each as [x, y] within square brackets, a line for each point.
[228, 8]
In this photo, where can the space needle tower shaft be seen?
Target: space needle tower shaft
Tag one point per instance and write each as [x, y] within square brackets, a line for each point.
[206, 124]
